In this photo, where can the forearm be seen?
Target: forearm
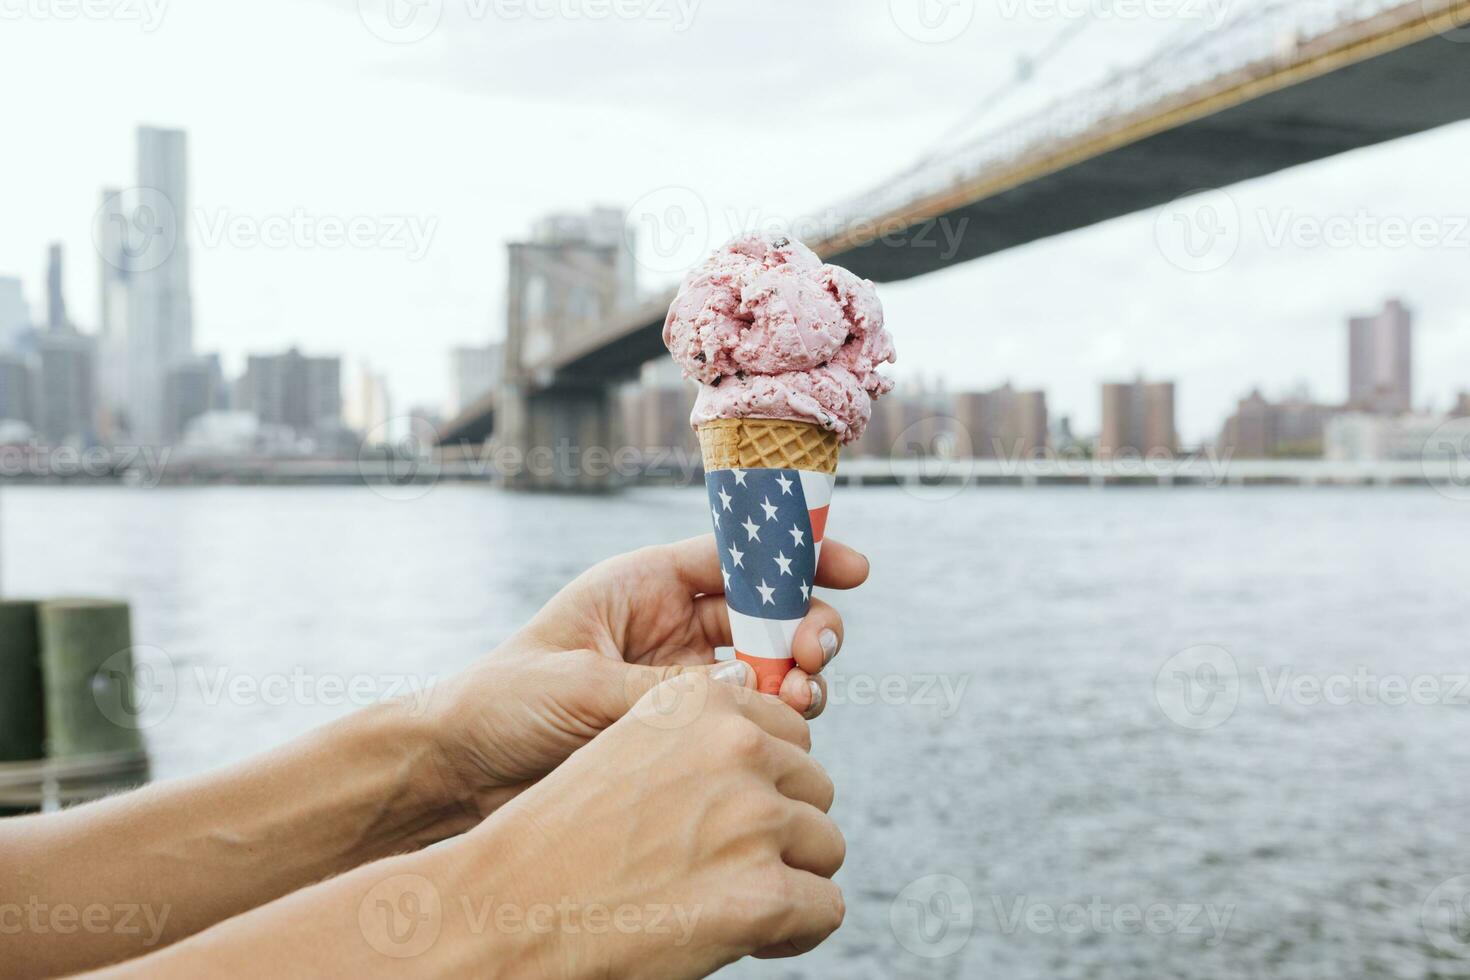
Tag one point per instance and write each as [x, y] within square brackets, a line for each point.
[430, 911]
[175, 858]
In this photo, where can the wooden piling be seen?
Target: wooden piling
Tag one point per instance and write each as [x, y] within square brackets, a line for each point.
[22, 707]
[87, 671]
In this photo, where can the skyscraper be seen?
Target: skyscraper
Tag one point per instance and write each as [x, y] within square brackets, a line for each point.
[14, 315]
[55, 300]
[1380, 361]
[1138, 419]
[110, 237]
[67, 387]
[17, 389]
[160, 328]
[67, 382]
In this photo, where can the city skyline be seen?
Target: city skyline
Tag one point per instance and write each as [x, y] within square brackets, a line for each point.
[1262, 319]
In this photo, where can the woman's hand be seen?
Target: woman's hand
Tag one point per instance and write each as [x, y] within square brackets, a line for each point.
[596, 648]
[699, 821]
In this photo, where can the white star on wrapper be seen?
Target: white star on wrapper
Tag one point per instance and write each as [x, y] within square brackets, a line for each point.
[769, 509]
[727, 577]
[785, 483]
[735, 555]
[784, 562]
[798, 535]
[724, 499]
[739, 477]
[715, 512]
[806, 591]
[766, 591]
[752, 529]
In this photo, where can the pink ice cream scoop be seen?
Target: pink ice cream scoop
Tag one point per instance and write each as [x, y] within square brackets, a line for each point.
[771, 332]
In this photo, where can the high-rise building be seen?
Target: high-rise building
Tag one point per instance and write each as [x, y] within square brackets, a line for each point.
[1462, 407]
[1261, 429]
[292, 390]
[1004, 423]
[160, 328]
[369, 408]
[474, 373]
[192, 388]
[17, 389]
[1138, 419]
[56, 318]
[1380, 361]
[111, 239]
[67, 387]
[15, 317]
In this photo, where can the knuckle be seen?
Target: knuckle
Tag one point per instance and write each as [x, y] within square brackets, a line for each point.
[804, 735]
[838, 911]
[839, 851]
[744, 740]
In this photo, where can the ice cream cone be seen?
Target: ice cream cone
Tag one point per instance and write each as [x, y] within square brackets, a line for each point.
[768, 443]
[777, 476]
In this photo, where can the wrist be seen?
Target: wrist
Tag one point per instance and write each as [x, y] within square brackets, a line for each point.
[423, 801]
[494, 885]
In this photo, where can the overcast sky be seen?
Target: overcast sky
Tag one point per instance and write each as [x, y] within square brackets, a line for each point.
[451, 140]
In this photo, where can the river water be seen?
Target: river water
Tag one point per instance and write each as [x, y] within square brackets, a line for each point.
[1076, 733]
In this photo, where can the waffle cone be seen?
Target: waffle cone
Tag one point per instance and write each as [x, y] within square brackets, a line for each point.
[775, 444]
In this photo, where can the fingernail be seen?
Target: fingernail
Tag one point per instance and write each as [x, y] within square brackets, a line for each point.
[735, 672]
[815, 707]
[829, 643]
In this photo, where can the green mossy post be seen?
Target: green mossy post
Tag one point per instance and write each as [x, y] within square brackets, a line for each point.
[87, 668]
[22, 708]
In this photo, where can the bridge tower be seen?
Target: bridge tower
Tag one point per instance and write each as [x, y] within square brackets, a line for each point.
[566, 284]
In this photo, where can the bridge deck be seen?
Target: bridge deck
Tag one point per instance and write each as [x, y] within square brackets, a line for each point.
[1379, 79]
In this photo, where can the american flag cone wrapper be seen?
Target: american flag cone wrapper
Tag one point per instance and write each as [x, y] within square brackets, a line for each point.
[769, 483]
